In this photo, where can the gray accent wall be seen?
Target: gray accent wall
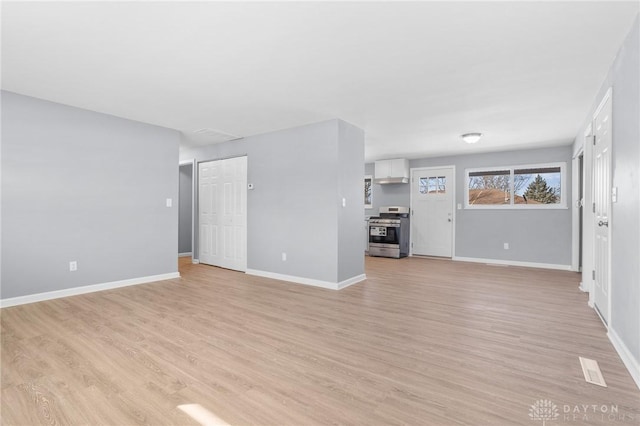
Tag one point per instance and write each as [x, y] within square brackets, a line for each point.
[624, 79]
[537, 236]
[300, 176]
[79, 185]
[185, 210]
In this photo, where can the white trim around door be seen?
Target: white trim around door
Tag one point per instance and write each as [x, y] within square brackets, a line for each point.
[194, 179]
[450, 187]
[577, 202]
[602, 219]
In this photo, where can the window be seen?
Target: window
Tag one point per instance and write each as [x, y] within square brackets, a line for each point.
[433, 185]
[368, 192]
[530, 186]
[538, 185]
[489, 187]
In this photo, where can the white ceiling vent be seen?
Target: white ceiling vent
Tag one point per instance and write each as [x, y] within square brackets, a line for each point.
[207, 135]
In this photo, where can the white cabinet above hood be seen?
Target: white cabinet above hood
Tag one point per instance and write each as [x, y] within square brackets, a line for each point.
[391, 171]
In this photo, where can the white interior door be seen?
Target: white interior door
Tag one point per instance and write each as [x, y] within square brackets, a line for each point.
[222, 213]
[432, 196]
[602, 208]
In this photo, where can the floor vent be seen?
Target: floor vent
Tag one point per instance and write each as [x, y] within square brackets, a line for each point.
[591, 371]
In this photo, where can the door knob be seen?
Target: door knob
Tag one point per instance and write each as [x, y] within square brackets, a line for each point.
[603, 223]
[449, 219]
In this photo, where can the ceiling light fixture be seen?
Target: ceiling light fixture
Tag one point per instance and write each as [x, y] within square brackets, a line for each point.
[471, 137]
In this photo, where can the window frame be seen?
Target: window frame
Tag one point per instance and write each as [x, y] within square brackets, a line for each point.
[368, 178]
[438, 185]
[512, 206]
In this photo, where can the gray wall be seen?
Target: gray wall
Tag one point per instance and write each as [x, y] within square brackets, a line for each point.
[351, 172]
[624, 78]
[79, 185]
[625, 238]
[539, 236]
[294, 207]
[185, 214]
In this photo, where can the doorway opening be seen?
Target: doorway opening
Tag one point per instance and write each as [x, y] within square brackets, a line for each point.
[186, 203]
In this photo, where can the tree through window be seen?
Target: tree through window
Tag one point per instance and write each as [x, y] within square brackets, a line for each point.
[491, 187]
[533, 186]
[537, 185]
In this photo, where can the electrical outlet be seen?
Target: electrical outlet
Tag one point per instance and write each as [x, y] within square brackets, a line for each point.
[169, 202]
[73, 266]
[284, 256]
[506, 246]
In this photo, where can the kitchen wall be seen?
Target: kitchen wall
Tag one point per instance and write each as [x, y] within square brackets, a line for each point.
[79, 185]
[534, 236]
[624, 79]
[185, 214]
[300, 177]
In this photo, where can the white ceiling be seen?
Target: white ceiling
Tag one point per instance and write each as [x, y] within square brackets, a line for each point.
[413, 75]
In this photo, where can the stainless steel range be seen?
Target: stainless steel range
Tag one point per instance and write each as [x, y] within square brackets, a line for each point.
[389, 232]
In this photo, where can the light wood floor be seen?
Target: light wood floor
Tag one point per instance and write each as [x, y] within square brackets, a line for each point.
[421, 342]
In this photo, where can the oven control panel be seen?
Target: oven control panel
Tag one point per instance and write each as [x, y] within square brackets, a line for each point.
[378, 231]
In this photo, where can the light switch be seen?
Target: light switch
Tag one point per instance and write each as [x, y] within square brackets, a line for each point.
[169, 202]
[344, 202]
[459, 206]
[614, 194]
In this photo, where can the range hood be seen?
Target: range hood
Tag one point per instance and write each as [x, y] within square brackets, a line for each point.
[391, 171]
[383, 181]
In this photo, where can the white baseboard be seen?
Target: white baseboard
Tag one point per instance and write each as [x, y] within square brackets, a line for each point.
[39, 297]
[584, 287]
[351, 281]
[185, 254]
[513, 263]
[307, 281]
[632, 364]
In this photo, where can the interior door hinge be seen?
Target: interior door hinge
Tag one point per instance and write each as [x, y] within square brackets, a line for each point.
[593, 275]
[594, 207]
[592, 138]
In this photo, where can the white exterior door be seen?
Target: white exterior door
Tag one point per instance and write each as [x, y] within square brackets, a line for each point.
[222, 213]
[602, 208]
[432, 196]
